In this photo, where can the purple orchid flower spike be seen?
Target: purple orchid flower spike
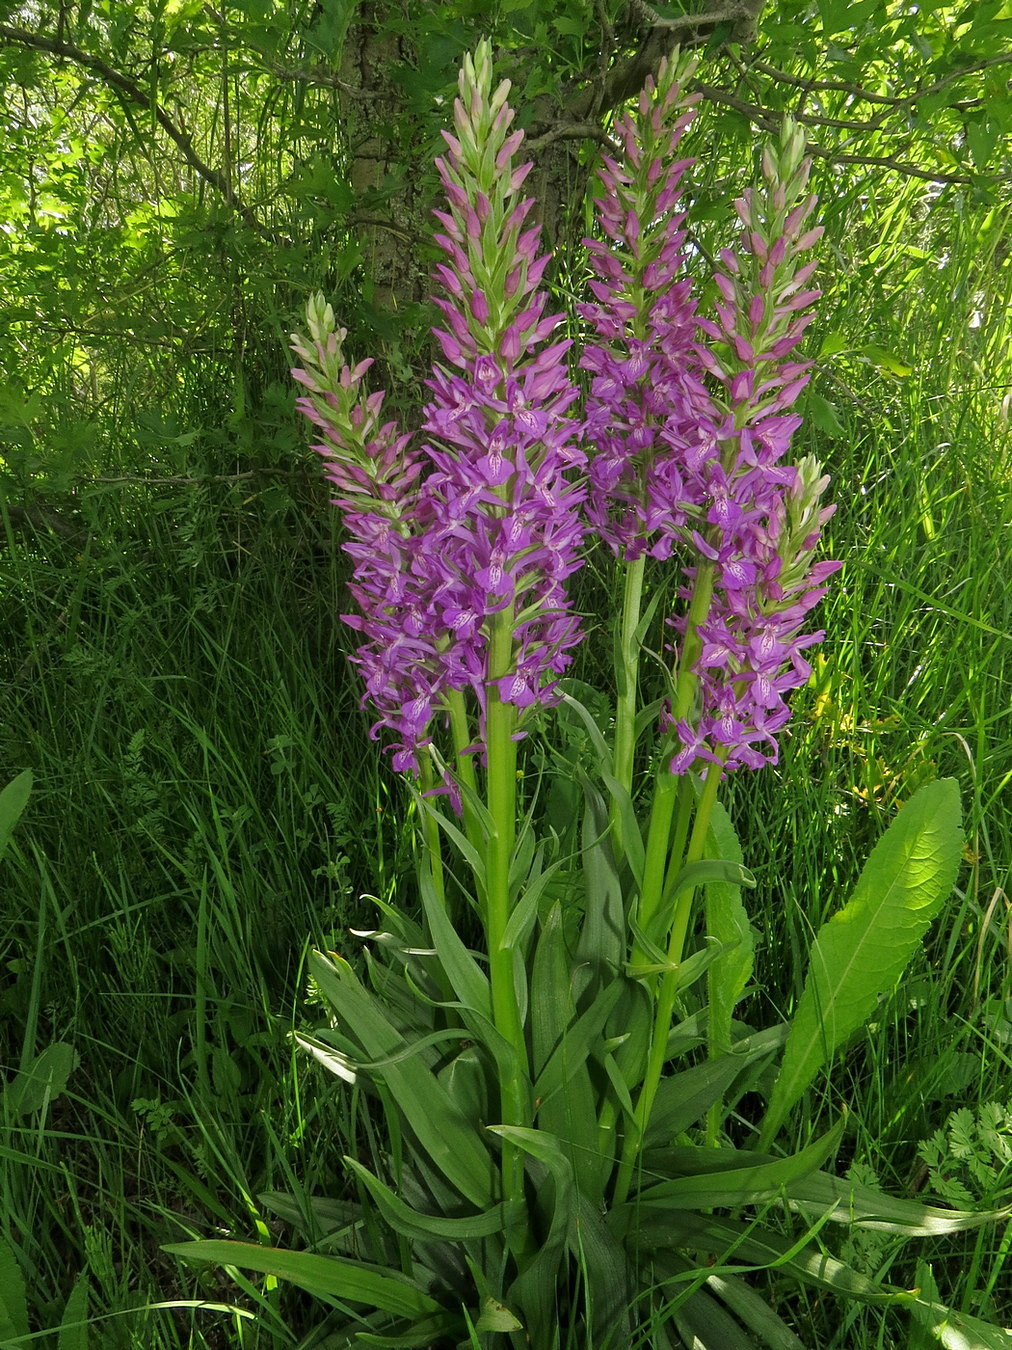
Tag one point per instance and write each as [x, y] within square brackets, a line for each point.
[763, 518]
[505, 529]
[648, 408]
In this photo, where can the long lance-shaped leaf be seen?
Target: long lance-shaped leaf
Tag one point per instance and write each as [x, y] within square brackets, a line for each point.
[324, 1276]
[753, 1310]
[428, 1332]
[438, 1123]
[705, 1325]
[751, 1247]
[536, 1288]
[731, 1187]
[13, 1301]
[424, 1227]
[955, 1330]
[860, 953]
[560, 1057]
[869, 1208]
[685, 1097]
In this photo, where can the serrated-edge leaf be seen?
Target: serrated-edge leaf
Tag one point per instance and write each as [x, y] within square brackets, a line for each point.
[73, 1330]
[861, 952]
[13, 800]
[326, 1276]
[13, 1300]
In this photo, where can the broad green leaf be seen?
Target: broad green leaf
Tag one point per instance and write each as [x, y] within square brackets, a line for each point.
[684, 1098]
[536, 1289]
[403, 1219]
[13, 1304]
[601, 947]
[886, 361]
[823, 415]
[576, 1045]
[324, 1276]
[861, 952]
[325, 1214]
[466, 1082]
[43, 1079]
[13, 800]
[469, 981]
[74, 1328]
[439, 1125]
[734, 1186]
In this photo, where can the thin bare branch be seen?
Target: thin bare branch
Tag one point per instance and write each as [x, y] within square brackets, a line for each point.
[867, 95]
[141, 97]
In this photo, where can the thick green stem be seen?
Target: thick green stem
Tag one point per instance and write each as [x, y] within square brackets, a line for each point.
[660, 866]
[658, 851]
[463, 742]
[668, 992]
[502, 791]
[627, 687]
[430, 831]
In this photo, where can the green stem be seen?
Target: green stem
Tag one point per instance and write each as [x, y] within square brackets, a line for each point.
[502, 793]
[661, 865]
[658, 851]
[463, 754]
[668, 992]
[627, 686]
[430, 835]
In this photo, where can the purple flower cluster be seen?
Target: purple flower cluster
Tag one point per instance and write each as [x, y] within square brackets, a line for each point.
[506, 529]
[377, 475]
[691, 423]
[763, 518]
[475, 535]
[463, 547]
[647, 410]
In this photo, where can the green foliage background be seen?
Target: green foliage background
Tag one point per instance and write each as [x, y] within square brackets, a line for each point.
[175, 178]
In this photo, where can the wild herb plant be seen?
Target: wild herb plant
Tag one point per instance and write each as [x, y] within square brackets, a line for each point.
[568, 1155]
